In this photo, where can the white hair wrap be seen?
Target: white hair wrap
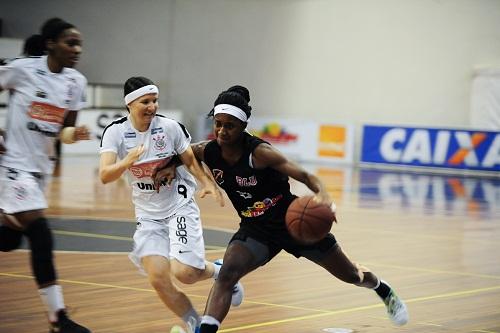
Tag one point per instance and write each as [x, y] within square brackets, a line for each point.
[232, 110]
[149, 89]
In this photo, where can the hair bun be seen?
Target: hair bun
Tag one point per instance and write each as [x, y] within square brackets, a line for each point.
[241, 91]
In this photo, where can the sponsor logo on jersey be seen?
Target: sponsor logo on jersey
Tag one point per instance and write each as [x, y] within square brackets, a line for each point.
[218, 176]
[41, 72]
[12, 174]
[181, 231]
[260, 207]
[462, 149]
[41, 94]
[245, 195]
[156, 130]
[145, 169]
[246, 182]
[70, 91]
[21, 192]
[130, 135]
[150, 186]
[46, 112]
[146, 186]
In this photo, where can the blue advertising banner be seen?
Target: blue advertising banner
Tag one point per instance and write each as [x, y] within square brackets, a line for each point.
[431, 147]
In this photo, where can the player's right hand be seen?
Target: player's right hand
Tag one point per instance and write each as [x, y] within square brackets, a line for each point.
[133, 155]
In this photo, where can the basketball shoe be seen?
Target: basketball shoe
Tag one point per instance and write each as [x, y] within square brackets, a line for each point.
[396, 309]
[238, 291]
[66, 325]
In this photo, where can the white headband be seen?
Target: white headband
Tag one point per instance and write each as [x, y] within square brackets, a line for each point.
[150, 89]
[232, 110]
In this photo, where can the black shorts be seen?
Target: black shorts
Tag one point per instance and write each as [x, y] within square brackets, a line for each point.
[275, 236]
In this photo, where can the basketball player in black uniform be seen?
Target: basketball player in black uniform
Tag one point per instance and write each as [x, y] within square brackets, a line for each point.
[255, 177]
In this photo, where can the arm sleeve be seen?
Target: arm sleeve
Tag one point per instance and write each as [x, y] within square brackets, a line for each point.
[110, 140]
[182, 139]
[80, 98]
[10, 76]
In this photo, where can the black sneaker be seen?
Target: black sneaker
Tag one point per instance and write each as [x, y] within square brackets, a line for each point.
[66, 325]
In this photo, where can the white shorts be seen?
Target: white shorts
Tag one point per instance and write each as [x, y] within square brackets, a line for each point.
[22, 191]
[179, 236]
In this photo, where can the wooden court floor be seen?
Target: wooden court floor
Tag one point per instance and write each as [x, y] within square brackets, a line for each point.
[435, 238]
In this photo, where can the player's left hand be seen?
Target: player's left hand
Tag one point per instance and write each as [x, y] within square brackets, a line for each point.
[161, 175]
[324, 198]
[212, 189]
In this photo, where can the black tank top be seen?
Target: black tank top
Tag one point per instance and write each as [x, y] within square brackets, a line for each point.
[258, 195]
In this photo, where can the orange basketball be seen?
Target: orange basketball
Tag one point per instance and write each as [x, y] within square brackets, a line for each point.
[308, 221]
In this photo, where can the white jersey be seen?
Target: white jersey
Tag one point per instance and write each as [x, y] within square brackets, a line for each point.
[38, 102]
[164, 139]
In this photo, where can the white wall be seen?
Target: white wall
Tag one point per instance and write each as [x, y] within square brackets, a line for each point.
[361, 61]
[390, 61]
[10, 47]
[122, 38]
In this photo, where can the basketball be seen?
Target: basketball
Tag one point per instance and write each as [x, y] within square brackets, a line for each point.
[308, 221]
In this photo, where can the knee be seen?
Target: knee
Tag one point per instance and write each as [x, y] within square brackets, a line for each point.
[160, 280]
[41, 244]
[157, 278]
[187, 274]
[10, 239]
[354, 277]
[228, 276]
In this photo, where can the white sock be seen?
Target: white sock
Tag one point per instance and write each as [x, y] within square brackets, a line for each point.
[216, 270]
[209, 320]
[378, 284]
[52, 297]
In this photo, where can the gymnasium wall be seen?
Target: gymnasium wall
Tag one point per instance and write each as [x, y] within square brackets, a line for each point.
[396, 62]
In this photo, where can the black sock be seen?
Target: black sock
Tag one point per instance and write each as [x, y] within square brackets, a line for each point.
[206, 328]
[383, 290]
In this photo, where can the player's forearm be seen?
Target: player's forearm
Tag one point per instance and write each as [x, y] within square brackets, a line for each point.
[198, 172]
[112, 172]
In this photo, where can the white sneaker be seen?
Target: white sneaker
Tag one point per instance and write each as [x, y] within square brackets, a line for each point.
[238, 293]
[238, 290]
[396, 309]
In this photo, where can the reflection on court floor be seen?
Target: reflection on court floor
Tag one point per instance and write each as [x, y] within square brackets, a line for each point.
[433, 194]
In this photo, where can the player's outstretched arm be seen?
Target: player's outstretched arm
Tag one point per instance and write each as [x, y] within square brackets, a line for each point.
[266, 155]
[208, 184]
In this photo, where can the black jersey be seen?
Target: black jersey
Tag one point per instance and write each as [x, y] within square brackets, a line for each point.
[258, 195]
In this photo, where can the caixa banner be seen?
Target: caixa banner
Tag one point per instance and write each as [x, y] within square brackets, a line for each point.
[431, 147]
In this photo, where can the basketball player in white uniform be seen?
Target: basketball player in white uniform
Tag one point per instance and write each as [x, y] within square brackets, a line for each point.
[168, 240]
[45, 93]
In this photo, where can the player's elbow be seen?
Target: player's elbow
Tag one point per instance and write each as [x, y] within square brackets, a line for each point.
[104, 177]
